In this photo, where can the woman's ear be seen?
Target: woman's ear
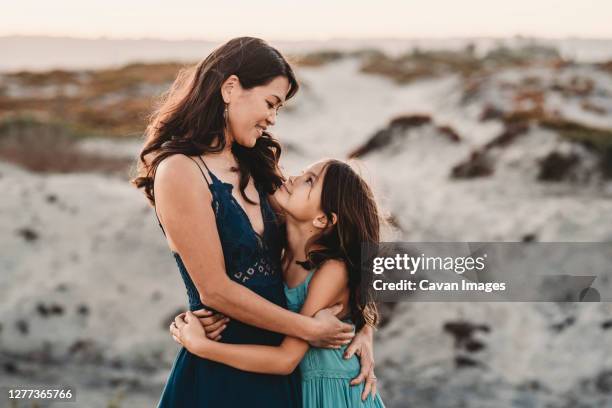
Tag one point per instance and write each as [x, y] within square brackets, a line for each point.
[228, 86]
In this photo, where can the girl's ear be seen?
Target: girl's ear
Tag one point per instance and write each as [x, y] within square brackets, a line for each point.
[322, 222]
[228, 86]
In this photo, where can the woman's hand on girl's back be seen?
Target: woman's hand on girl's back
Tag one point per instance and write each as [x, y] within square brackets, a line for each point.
[331, 333]
[363, 346]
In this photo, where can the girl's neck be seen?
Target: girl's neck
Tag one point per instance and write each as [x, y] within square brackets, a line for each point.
[298, 235]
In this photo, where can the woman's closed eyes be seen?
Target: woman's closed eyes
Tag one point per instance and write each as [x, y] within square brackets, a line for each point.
[271, 106]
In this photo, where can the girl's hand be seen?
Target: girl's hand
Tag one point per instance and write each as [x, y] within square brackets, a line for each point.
[187, 330]
[213, 324]
[363, 346]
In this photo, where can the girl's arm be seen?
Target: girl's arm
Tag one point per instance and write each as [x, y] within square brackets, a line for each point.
[326, 288]
[183, 203]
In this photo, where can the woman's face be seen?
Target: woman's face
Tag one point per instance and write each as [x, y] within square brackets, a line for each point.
[300, 196]
[251, 111]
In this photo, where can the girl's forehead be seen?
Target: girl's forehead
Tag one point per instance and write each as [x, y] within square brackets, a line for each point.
[316, 168]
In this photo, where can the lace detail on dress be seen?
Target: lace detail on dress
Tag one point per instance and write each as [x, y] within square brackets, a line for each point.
[261, 267]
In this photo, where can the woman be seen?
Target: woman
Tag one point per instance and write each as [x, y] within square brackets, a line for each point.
[207, 167]
[330, 212]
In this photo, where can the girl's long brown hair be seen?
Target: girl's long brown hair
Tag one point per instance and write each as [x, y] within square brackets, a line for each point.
[190, 118]
[347, 195]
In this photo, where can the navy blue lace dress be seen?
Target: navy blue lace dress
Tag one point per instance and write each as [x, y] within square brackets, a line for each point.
[253, 261]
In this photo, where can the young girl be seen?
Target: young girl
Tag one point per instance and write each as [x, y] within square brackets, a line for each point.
[330, 211]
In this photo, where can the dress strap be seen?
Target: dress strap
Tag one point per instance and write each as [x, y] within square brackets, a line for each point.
[204, 163]
[309, 277]
[213, 178]
[202, 171]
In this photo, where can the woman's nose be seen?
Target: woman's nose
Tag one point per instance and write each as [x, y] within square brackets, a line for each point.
[271, 118]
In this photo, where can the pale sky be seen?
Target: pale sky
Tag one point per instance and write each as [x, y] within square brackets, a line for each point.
[307, 19]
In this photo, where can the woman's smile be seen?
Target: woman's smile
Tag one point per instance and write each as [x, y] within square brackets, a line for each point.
[260, 129]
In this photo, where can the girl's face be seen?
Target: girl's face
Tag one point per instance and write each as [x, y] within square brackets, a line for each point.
[251, 111]
[300, 196]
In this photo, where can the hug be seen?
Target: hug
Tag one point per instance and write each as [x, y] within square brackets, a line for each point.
[277, 315]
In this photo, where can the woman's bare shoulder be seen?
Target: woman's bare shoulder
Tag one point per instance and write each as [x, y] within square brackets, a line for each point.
[179, 174]
[177, 163]
[178, 168]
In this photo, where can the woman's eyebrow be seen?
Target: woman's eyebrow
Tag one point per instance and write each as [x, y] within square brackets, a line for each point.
[279, 100]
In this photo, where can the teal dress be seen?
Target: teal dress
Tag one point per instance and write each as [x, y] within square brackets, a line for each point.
[326, 374]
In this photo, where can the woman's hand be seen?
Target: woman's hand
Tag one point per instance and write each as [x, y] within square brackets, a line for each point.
[331, 332]
[214, 323]
[187, 330]
[363, 346]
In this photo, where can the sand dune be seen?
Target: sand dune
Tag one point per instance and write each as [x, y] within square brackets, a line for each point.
[88, 283]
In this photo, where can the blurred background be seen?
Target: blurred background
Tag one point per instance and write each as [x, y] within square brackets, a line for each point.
[473, 120]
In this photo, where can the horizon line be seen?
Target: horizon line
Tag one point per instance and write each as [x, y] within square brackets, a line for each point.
[295, 40]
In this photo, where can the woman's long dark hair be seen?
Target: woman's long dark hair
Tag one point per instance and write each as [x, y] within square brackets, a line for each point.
[347, 195]
[190, 118]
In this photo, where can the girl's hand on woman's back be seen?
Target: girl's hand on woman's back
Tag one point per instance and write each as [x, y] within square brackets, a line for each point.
[187, 330]
[214, 323]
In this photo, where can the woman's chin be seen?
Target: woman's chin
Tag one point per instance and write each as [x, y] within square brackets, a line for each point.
[248, 142]
[252, 141]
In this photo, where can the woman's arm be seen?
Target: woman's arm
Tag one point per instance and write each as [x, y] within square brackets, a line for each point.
[325, 288]
[183, 203]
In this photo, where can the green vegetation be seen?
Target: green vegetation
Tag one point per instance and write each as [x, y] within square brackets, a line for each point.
[50, 146]
[419, 64]
[599, 139]
[316, 58]
[111, 102]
